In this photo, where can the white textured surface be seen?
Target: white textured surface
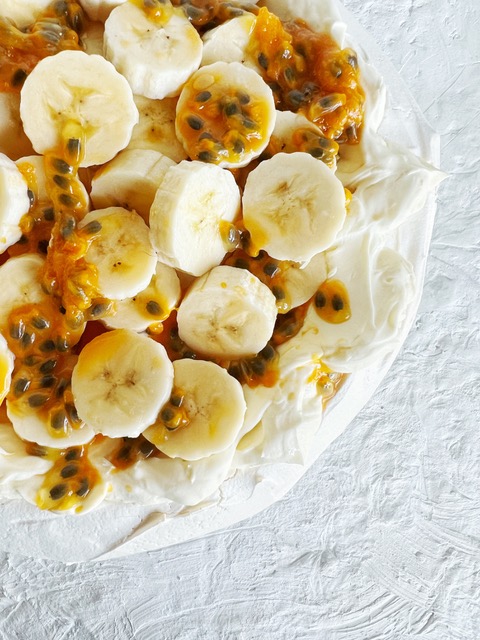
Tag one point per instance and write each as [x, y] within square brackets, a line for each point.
[381, 538]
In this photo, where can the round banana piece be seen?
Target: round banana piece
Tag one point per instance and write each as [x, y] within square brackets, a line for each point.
[99, 9]
[192, 208]
[14, 202]
[152, 305]
[157, 50]
[214, 405]
[120, 382]
[229, 41]
[156, 128]
[302, 281]
[13, 141]
[21, 279]
[225, 115]
[293, 206]
[72, 87]
[23, 13]
[130, 180]
[121, 250]
[6, 368]
[227, 313]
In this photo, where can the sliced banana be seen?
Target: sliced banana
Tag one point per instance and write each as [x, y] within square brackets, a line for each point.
[156, 128]
[187, 217]
[294, 132]
[225, 115]
[152, 305]
[21, 279]
[121, 250]
[293, 206]
[156, 50]
[130, 180]
[215, 408]
[229, 41]
[14, 202]
[22, 13]
[13, 141]
[73, 87]
[6, 368]
[227, 313]
[120, 382]
[99, 9]
[301, 282]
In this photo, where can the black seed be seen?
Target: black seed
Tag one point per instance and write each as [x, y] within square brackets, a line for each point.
[62, 310]
[31, 197]
[328, 101]
[336, 70]
[153, 308]
[238, 146]
[195, 123]
[271, 269]
[61, 166]
[190, 354]
[18, 78]
[61, 181]
[21, 385]
[68, 201]
[72, 412]
[308, 90]
[76, 22]
[274, 86]
[231, 109]
[235, 371]
[27, 339]
[249, 124]
[31, 361]
[37, 400]
[58, 420]
[48, 366]
[68, 226]
[61, 7]
[278, 292]
[48, 345]
[176, 400]
[42, 246]
[206, 156]
[289, 74]
[58, 491]
[124, 452]
[23, 239]
[47, 381]
[167, 414]
[73, 454]
[62, 345]
[49, 214]
[194, 13]
[206, 136]
[203, 96]
[83, 489]
[316, 152]
[337, 302]
[98, 309]
[243, 98]
[52, 33]
[257, 366]
[93, 227]
[40, 323]
[295, 97]
[37, 450]
[17, 330]
[352, 60]
[62, 385]
[69, 471]
[146, 448]
[352, 134]
[241, 263]
[320, 300]
[263, 60]
[73, 147]
[268, 352]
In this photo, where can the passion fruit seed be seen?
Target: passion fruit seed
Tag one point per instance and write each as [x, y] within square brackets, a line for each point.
[195, 123]
[93, 227]
[27, 340]
[17, 330]
[40, 323]
[49, 214]
[47, 345]
[258, 366]
[167, 414]
[271, 269]
[46, 382]
[203, 96]
[153, 308]
[146, 448]
[59, 421]
[21, 385]
[206, 156]
[37, 400]
[69, 471]
[73, 454]
[267, 353]
[84, 488]
[58, 491]
[337, 302]
[61, 181]
[42, 246]
[263, 60]
[278, 292]
[62, 166]
[19, 78]
[320, 300]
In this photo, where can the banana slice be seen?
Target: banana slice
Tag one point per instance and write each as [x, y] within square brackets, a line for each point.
[99, 9]
[294, 132]
[156, 50]
[72, 86]
[13, 141]
[156, 128]
[227, 313]
[6, 368]
[192, 208]
[293, 206]
[121, 250]
[23, 13]
[14, 202]
[130, 180]
[225, 115]
[229, 42]
[301, 282]
[214, 404]
[120, 382]
[150, 306]
[21, 279]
